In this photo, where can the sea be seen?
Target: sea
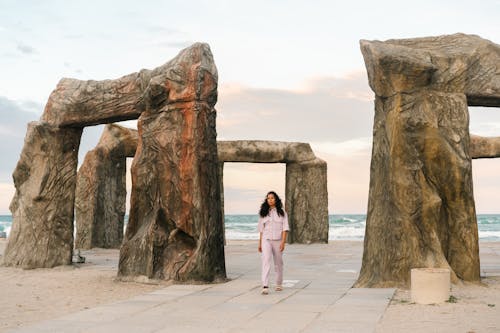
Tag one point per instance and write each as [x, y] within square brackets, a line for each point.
[341, 226]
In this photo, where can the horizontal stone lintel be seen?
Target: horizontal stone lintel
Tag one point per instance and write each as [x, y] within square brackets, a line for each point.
[484, 147]
[257, 151]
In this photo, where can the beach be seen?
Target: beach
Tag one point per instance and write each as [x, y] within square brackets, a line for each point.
[29, 296]
[472, 307]
[35, 296]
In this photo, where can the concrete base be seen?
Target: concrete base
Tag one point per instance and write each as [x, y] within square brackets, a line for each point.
[430, 285]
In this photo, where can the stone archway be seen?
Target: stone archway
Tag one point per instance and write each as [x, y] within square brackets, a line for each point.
[100, 191]
[171, 228]
[306, 182]
[421, 210]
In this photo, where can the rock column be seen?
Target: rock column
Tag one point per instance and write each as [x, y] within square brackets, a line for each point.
[101, 190]
[307, 201]
[421, 206]
[43, 206]
[421, 211]
[174, 229]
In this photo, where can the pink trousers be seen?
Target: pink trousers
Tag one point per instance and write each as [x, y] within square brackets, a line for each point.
[271, 249]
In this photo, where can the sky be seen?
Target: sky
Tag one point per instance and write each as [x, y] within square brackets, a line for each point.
[288, 71]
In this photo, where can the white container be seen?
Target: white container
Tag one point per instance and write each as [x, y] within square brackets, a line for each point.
[430, 285]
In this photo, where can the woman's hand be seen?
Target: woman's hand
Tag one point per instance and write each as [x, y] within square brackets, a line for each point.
[260, 247]
[282, 246]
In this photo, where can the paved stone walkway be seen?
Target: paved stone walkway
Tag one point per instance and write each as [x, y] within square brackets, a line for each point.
[317, 298]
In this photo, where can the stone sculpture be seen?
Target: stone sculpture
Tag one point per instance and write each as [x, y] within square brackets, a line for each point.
[100, 189]
[306, 183]
[174, 226]
[42, 207]
[306, 186]
[174, 229]
[481, 147]
[421, 209]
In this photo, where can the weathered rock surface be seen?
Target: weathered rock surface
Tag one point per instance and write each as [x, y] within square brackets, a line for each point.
[175, 218]
[258, 151]
[306, 183]
[484, 147]
[458, 63]
[97, 214]
[174, 229]
[101, 190]
[78, 103]
[42, 208]
[421, 209]
[307, 201]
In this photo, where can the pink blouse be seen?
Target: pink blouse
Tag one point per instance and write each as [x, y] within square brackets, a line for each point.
[273, 225]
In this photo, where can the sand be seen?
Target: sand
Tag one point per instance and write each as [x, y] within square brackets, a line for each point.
[471, 308]
[29, 296]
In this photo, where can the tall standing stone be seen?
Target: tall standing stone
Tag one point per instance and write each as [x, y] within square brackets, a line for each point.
[45, 180]
[307, 201]
[421, 209]
[101, 190]
[174, 229]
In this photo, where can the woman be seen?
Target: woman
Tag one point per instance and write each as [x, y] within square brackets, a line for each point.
[273, 228]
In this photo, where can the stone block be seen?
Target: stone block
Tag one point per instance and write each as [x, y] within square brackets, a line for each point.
[430, 285]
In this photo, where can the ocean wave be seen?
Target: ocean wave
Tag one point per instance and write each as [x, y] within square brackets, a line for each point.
[346, 233]
[7, 230]
[488, 221]
[241, 225]
[489, 235]
[235, 235]
[345, 219]
[341, 227]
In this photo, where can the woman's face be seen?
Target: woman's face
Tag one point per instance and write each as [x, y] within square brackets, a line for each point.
[271, 200]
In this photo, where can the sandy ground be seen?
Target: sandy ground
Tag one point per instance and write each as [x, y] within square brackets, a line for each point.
[471, 307]
[29, 296]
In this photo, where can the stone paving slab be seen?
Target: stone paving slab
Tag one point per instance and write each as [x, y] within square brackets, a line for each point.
[318, 297]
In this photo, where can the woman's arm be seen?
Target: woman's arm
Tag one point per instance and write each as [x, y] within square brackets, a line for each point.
[260, 241]
[283, 240]
[284, 233]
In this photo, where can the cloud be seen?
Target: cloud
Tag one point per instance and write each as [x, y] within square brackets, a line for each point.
[180, 44]
[484, 121]
[15, 117]
[334, 115]
[353, 147]
[245, 184]
[348, 182]
[486, 185]
[351, 86]
[175, 44]
[327, 109]
[72, 36]
[7, 191]
[26, 49]
[242, 200]
[165, 31]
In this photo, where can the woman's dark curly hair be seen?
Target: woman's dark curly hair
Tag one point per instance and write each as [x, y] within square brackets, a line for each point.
[264, 208]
